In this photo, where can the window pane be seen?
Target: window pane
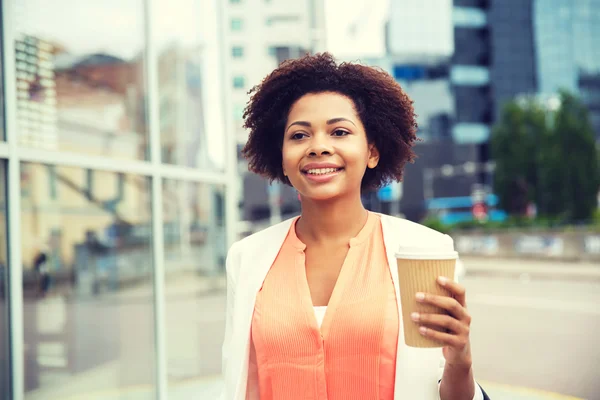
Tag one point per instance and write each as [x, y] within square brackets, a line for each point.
[188, 85]
[237, 51]
[195, 251]
[4, 323]
[80, 86]
[239, 82]
[236, 24]
[87, 283]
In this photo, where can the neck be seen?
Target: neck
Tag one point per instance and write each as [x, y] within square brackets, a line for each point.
[326, 221]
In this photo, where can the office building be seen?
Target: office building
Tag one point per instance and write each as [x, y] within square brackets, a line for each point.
[420, 44]
[420, 27]
[494, 61]
[470, 73]
[508, 48]
[260, 35]
[567, 34]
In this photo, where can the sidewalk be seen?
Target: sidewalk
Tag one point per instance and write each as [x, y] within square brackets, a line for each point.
[209, 388]
[500, 392]
[528, 268]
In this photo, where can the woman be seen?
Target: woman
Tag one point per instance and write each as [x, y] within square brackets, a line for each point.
[312, 303]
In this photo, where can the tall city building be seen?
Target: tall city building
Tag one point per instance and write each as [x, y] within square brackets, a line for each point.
[422, 27]
[507, 48]
[513, 59]
[492, 51]
[420, 44]
[470, 72]
[262, 34]
[493, 61]
[567, 34]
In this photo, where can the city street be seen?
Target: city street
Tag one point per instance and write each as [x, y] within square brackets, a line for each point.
[540, 334]
[533, 338]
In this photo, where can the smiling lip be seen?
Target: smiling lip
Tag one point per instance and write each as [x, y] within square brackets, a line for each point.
[321, 172]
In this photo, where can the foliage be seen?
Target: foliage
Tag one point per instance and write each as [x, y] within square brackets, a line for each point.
[514, 145]
[436, 224]
[514, 223]
[546, 157]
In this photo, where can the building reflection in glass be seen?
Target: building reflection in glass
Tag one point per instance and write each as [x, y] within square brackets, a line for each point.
[77, 90]
[87, 281]
[185, 66]
[195, 250]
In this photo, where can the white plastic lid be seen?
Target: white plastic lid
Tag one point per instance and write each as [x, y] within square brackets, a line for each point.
[425, 253]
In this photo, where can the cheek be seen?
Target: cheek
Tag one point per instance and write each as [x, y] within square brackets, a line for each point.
[359, 157]
[289, 158]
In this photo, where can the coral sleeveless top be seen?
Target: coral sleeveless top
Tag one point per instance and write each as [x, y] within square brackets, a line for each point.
[352, 356]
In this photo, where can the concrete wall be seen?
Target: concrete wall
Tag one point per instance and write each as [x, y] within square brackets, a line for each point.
[577, 245]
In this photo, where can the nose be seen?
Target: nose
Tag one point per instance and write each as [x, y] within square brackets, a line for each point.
[319, 146]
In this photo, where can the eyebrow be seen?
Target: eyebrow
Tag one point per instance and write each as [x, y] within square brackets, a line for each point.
[329, 122]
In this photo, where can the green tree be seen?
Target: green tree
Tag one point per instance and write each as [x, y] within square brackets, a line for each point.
[549, 157]
[569, 171]
[515, 146]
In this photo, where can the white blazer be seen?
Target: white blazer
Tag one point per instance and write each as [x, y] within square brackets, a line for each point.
[248, 262]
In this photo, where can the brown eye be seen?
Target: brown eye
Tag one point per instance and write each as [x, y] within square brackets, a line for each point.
[340, 132]
[298, 136]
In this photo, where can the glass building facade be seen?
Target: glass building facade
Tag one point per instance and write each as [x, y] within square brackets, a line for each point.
[567, 36]
[115, 204]
[470, 73]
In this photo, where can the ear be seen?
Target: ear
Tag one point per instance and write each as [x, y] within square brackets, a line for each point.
[373, 156]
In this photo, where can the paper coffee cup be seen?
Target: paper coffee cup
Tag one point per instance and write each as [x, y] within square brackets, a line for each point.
[418, 270]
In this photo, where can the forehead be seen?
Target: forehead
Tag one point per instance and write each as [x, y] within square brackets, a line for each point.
[322, 106]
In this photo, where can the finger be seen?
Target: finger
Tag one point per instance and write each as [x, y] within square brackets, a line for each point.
[447, 339]
[449, 304]
[458, 291]
[441, 321]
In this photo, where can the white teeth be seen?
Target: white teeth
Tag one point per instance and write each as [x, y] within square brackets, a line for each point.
[321, 171]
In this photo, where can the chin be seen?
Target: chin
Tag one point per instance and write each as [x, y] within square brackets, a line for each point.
[321, 194]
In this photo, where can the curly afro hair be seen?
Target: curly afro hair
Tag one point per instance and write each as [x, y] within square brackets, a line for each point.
[384, 109]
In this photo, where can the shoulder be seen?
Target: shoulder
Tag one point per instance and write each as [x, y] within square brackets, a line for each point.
[407, 231]
[266, 237]
[256, 244]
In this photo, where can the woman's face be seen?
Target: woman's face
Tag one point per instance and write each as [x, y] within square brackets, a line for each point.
[325, 149]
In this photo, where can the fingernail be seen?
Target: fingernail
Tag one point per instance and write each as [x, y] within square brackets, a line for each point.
[415, 316]
[420, 296]
[442, 280]
[422, 330]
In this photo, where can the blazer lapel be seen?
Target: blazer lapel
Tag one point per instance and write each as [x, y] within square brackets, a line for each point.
[257, 257]
[411, 382]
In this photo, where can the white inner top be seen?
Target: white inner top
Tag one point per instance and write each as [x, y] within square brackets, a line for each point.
[320, 314]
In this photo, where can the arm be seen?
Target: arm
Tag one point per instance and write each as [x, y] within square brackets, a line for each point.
[458, 383]
[453, 333]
